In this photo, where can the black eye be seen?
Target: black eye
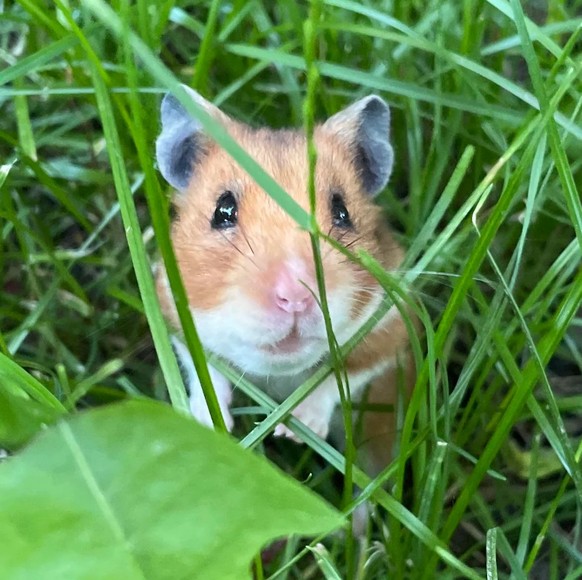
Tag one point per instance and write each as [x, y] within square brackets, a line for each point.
[225, 214]
[340, 216]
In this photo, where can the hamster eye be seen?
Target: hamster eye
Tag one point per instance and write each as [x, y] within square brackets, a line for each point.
[340, 216]
[225, 215]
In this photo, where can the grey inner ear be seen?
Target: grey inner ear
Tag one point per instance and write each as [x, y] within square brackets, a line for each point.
[373, 154]
[180, 144]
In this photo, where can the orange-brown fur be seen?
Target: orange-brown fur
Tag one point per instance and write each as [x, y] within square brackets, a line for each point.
[385, 342]
[375, 443]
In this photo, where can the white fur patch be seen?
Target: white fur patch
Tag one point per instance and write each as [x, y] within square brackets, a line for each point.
[198, 406]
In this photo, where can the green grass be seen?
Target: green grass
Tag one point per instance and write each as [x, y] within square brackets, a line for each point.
[485, 98]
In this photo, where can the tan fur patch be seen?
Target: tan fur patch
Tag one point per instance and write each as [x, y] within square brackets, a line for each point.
[381, 344]
[376, 441]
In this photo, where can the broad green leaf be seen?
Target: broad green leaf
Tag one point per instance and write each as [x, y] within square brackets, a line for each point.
[138, 491]
[21, 417]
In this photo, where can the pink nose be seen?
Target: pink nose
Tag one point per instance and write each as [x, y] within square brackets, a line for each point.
[292, 293]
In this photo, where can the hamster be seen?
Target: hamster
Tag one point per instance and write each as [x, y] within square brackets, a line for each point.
[248, 269]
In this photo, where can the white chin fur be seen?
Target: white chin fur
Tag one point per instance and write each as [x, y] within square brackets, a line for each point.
[240, 332]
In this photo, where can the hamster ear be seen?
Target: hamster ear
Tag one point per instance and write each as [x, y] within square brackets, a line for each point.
[364, 128]
[182, 141]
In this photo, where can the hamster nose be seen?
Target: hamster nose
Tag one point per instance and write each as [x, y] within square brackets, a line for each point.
[291, 294]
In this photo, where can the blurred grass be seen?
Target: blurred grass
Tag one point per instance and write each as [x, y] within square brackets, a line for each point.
[485, 99]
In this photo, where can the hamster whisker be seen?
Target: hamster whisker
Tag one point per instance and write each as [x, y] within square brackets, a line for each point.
[339, 240]
[437, 274]
[347, 246]
[247, 241]
[368, 289]
[240, 251]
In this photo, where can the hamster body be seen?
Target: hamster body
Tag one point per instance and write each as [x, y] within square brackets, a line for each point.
[248, 269]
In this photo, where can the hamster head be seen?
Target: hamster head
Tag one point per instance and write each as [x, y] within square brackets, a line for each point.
[247, 267]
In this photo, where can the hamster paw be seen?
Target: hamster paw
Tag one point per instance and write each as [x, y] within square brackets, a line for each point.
[311, 416]
[200, 412]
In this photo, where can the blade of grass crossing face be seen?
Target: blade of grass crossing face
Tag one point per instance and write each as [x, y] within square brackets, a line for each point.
[214, 129]
[268, 424]
[161, 226]
[310, 43]
[311, 28]
[143, 274]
